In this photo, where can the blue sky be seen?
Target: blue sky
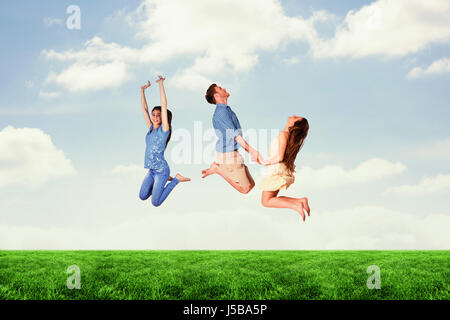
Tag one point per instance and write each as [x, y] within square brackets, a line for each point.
[371, 77]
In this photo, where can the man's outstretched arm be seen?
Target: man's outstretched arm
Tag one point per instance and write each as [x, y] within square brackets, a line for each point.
[254, 154]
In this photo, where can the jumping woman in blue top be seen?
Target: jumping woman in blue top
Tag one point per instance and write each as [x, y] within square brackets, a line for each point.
[158, 136]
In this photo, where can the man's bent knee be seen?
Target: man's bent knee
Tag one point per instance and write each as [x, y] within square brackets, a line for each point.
[246, 190]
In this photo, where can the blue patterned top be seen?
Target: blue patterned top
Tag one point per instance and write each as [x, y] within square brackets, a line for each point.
[227, 127]
[155, 145]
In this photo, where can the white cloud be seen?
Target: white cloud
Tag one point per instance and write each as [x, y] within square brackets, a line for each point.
[191, 80]
[28, 156]
[48, 95]
[228, 32]
[426, 186]
[390, 28]
[437, 67]
[377, 227]
[103, 211]
[226, 37]
[219, 36]
[90, 76]
[334, 176]
[95, 50]
[359, 228]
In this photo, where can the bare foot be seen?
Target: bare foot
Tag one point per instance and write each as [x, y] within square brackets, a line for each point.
[181, 178]
[306, 205]
[211, 170]
[299, 208]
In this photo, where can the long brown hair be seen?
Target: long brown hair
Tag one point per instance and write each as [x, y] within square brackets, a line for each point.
[169, 117]
[297, 135]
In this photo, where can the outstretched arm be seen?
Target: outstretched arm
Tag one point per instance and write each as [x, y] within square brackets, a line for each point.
[226, 127]
[162, 95]
[144, 105]
[254, 154]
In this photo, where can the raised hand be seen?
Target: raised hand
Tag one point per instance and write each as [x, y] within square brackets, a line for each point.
[160, 79]
[145, 86]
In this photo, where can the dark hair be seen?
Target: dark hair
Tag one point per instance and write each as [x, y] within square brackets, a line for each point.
[297, 135]
[169, 117]
[210, 94]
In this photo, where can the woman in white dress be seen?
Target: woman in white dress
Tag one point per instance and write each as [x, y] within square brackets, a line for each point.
[280, 167]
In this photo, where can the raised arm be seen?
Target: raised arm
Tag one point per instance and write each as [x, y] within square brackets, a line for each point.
[162, 94]
[144, 105]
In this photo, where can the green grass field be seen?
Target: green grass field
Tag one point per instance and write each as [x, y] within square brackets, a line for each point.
[199, 275]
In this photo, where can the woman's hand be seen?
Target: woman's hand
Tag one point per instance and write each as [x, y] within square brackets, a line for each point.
[145, 86]
[257, 157]
[264, 162]
[160, 79]
[261, 160]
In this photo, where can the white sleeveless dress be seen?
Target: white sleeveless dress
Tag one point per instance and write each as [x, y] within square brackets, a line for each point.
[277, 176]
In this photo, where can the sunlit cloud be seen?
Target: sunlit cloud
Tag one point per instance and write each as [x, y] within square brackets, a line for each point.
[29, 157]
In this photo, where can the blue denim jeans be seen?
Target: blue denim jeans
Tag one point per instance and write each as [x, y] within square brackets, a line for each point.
[154, 185]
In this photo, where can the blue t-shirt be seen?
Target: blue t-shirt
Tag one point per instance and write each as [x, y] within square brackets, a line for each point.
[227, 127]
[154, 151]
